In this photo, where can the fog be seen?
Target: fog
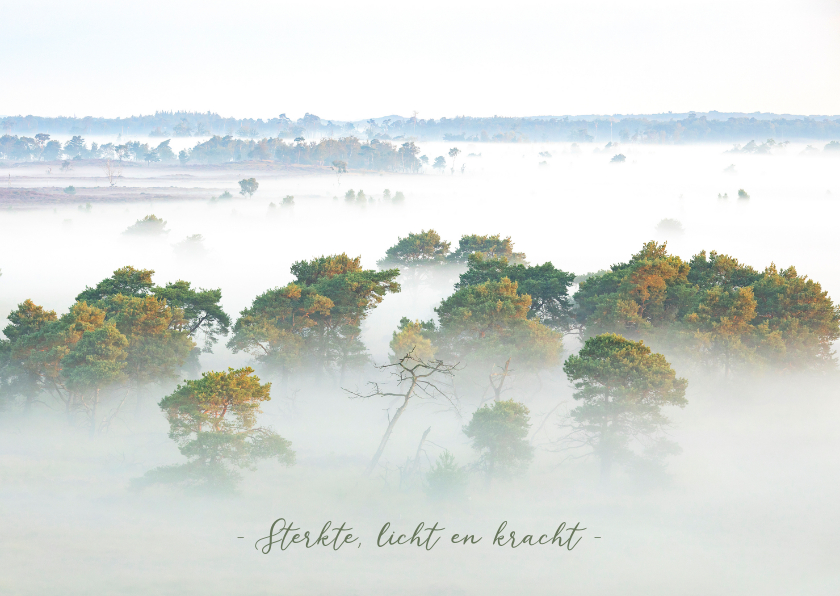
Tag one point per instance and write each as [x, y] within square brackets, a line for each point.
[749, 506]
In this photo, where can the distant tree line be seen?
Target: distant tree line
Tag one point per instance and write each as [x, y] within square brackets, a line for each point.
[676, 128]
[339, 153]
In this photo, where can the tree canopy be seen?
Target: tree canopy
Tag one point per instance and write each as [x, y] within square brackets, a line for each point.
[713, 307]
[425, 247]
[316, 319]
[547, 286]
[622, 387]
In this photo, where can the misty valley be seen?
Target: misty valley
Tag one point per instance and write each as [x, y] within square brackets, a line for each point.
[211, 334]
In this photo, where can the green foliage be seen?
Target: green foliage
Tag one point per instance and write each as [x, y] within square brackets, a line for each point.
[488, 321]
[671, 227]
[649, 291]
[315, 320]
[492, 247]
[498, 432]
[446, 480]
[127, 281]
[742, 194]
[164, 152]
[48, 355]
[200, 307]
[70, 190]
[622, 387]
[213, 421]
[248, 186]
[191, 246]
[547, 286]
[620, 158]
[413, 337]
[97, 360]
[151, 156]
[150, 225]
[159, 343]
[714, 309]
[416, 249]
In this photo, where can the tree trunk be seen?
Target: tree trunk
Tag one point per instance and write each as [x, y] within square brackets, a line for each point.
[387, 435]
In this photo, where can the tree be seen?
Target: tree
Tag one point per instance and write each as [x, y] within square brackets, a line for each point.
[801, 313]
[440, 163]
[164, 152]
[498, 431]
[620, 158]
[742, 194]
[151, 225]
[423, 248]
[160, 322]
[201, 309]
[111, 172]
[488, 323]
[413, 337]
[453, 153]
[19, 374]
[340, 167]
[491, 247]
[722, 329]
[445, 479]
[94, 363]
[299, 141]
[547, 286]
[127, 281]
[151, 157]
[622, 388]
[277, 330]
[51, 151]
[317, 318]
[650, 291]
[75, 147]
[213, 421]
[158, 340]
[414, 377]
[248, 186]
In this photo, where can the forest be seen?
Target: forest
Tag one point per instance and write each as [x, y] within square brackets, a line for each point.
[641, 323]
[655, 128]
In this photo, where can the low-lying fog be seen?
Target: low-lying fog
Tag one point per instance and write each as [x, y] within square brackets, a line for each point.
[751, 507]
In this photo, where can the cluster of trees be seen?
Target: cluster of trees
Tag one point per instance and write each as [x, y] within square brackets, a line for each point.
[41, 147]
[427, 248]
[341, 153]
[713, 309]
[177, 124]
[118, 338]
[314, 322]
[351, 196]
[504, 321]
[654, 128]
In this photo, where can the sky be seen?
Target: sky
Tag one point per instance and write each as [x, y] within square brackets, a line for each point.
[353, 60]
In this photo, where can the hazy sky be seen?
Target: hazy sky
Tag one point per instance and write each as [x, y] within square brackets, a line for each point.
[348, 60]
